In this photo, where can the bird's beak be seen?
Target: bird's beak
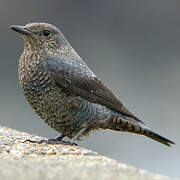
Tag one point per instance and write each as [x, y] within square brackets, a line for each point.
[21, 29]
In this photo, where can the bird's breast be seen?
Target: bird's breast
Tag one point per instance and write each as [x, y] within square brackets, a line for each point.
[31, 72]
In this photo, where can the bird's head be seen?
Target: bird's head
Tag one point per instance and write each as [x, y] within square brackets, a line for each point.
[41, 36]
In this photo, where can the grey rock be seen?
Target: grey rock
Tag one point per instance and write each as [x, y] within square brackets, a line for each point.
[49, 161]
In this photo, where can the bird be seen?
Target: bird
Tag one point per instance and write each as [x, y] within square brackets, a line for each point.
[66, 93]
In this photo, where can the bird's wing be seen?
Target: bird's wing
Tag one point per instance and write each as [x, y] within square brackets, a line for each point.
[78, 79]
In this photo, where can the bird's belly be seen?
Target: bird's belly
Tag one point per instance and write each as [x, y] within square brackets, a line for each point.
[66, 113]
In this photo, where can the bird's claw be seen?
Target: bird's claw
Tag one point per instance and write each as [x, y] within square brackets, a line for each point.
[51, 141]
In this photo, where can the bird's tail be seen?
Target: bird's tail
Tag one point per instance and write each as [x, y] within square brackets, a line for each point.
[130, 125]
[157, 137]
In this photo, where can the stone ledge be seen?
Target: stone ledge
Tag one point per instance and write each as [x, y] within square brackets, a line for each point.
[24, 161]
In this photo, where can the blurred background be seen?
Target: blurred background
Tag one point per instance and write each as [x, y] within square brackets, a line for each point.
[133, 46]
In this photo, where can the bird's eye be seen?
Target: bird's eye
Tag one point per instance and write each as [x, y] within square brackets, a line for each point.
[46, 32]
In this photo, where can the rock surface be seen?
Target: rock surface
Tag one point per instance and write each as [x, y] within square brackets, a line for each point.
[27, 160]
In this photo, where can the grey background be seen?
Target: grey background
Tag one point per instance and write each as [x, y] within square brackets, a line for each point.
[133, 46]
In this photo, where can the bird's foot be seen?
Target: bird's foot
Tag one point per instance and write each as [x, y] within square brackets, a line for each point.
[51, 141]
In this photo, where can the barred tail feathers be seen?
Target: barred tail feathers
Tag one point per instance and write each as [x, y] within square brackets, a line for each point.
[130, 125]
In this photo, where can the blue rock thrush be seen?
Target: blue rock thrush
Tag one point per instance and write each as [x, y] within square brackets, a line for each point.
[65, 93]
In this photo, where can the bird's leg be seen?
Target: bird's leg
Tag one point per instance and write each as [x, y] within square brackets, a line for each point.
[77, 135]
[72, 141]
[59, 140]
[56, 140]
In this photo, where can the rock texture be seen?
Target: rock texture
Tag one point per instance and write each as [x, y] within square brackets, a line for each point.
[27, 160]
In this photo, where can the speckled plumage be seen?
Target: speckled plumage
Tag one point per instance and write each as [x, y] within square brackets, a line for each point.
[64, 92]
